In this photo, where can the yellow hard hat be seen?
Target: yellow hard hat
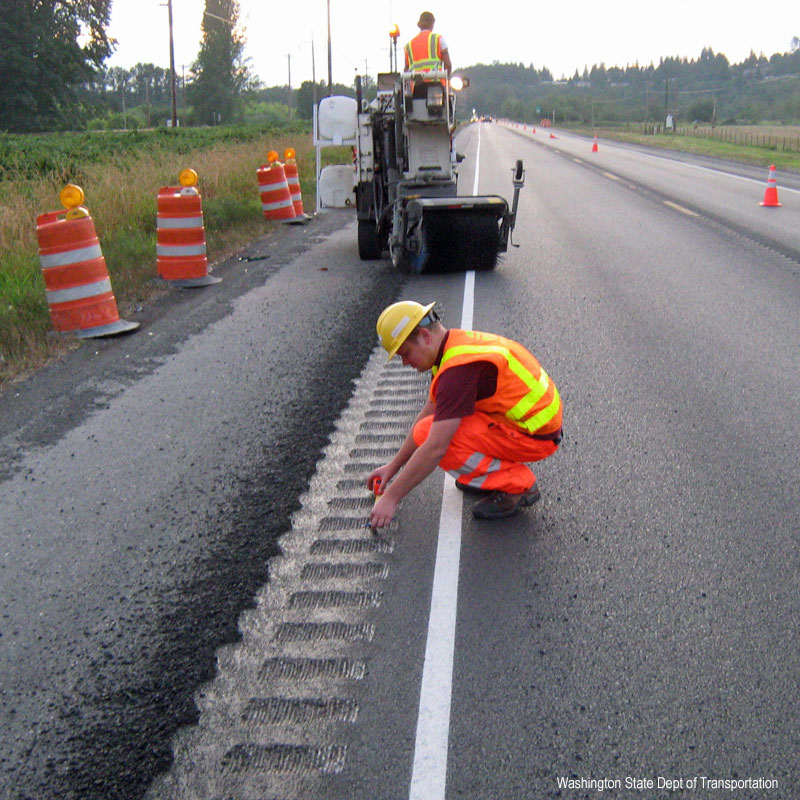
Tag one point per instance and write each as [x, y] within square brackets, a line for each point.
[397, 321]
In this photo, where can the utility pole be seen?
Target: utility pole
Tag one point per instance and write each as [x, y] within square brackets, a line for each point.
[330, 61]
[313, 72]
[668, 118]
[172, 68]
[289, 94]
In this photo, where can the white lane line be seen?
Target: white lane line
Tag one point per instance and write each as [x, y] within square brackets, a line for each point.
[429, 775]
[723, 172]
[477, 164]
[469, 301]
[714, 170]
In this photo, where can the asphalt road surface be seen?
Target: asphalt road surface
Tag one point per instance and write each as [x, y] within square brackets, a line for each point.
[146, 479]
[185, 569]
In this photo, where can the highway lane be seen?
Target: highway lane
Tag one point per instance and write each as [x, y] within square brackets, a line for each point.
[145, 480]
[728, 192]
[638, 624]
[639, 621]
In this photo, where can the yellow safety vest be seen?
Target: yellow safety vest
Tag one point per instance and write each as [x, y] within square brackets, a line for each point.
[423, 53]
[525, 396]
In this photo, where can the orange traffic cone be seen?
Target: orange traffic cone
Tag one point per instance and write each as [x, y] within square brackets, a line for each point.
[594, 146]
[77, 284]
[771, 192]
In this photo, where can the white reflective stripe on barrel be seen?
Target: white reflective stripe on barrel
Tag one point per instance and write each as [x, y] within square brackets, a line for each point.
[179, 222]
[275, 206]
[180, 250]
[71, 256]
[78, 292]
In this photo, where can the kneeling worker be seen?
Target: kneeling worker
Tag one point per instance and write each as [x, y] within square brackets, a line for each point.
[491, 410]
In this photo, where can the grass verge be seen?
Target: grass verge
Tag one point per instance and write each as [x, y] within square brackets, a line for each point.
[121, 196]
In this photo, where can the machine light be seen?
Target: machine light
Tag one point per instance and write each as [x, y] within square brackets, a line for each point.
[435, 98]
[394, 32]
[457, 83]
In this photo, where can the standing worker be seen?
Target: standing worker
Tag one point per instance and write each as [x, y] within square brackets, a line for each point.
[491, 410]
[427, 50]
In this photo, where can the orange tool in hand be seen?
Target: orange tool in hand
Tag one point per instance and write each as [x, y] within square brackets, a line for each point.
[377, 490]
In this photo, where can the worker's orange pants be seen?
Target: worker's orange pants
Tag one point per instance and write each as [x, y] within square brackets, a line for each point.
[486, 455]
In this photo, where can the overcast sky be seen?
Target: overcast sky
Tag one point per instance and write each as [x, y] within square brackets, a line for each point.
[562, 35]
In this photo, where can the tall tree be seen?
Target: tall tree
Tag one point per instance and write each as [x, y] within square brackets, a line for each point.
[50, 48]
[220, 72]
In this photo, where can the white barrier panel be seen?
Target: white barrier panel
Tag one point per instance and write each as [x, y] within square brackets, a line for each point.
[338, 119]
[336, 186]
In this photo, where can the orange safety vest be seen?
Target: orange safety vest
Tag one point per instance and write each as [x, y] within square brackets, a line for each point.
[423, 52]
[525, 396]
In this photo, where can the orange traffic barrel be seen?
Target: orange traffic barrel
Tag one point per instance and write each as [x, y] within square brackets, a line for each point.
[276, 198]
[77, 284]
[181, 255]
[293, 179]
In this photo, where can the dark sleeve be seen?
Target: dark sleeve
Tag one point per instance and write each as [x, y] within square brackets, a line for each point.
[458, 389]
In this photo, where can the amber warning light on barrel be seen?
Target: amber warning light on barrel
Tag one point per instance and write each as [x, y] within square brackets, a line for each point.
[72, 198]
[188, 177]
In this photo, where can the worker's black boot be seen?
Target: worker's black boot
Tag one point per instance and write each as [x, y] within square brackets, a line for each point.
[502, 504]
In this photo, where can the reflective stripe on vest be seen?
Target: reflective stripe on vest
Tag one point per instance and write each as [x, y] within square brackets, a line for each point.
[429, 58]
[537, 387]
